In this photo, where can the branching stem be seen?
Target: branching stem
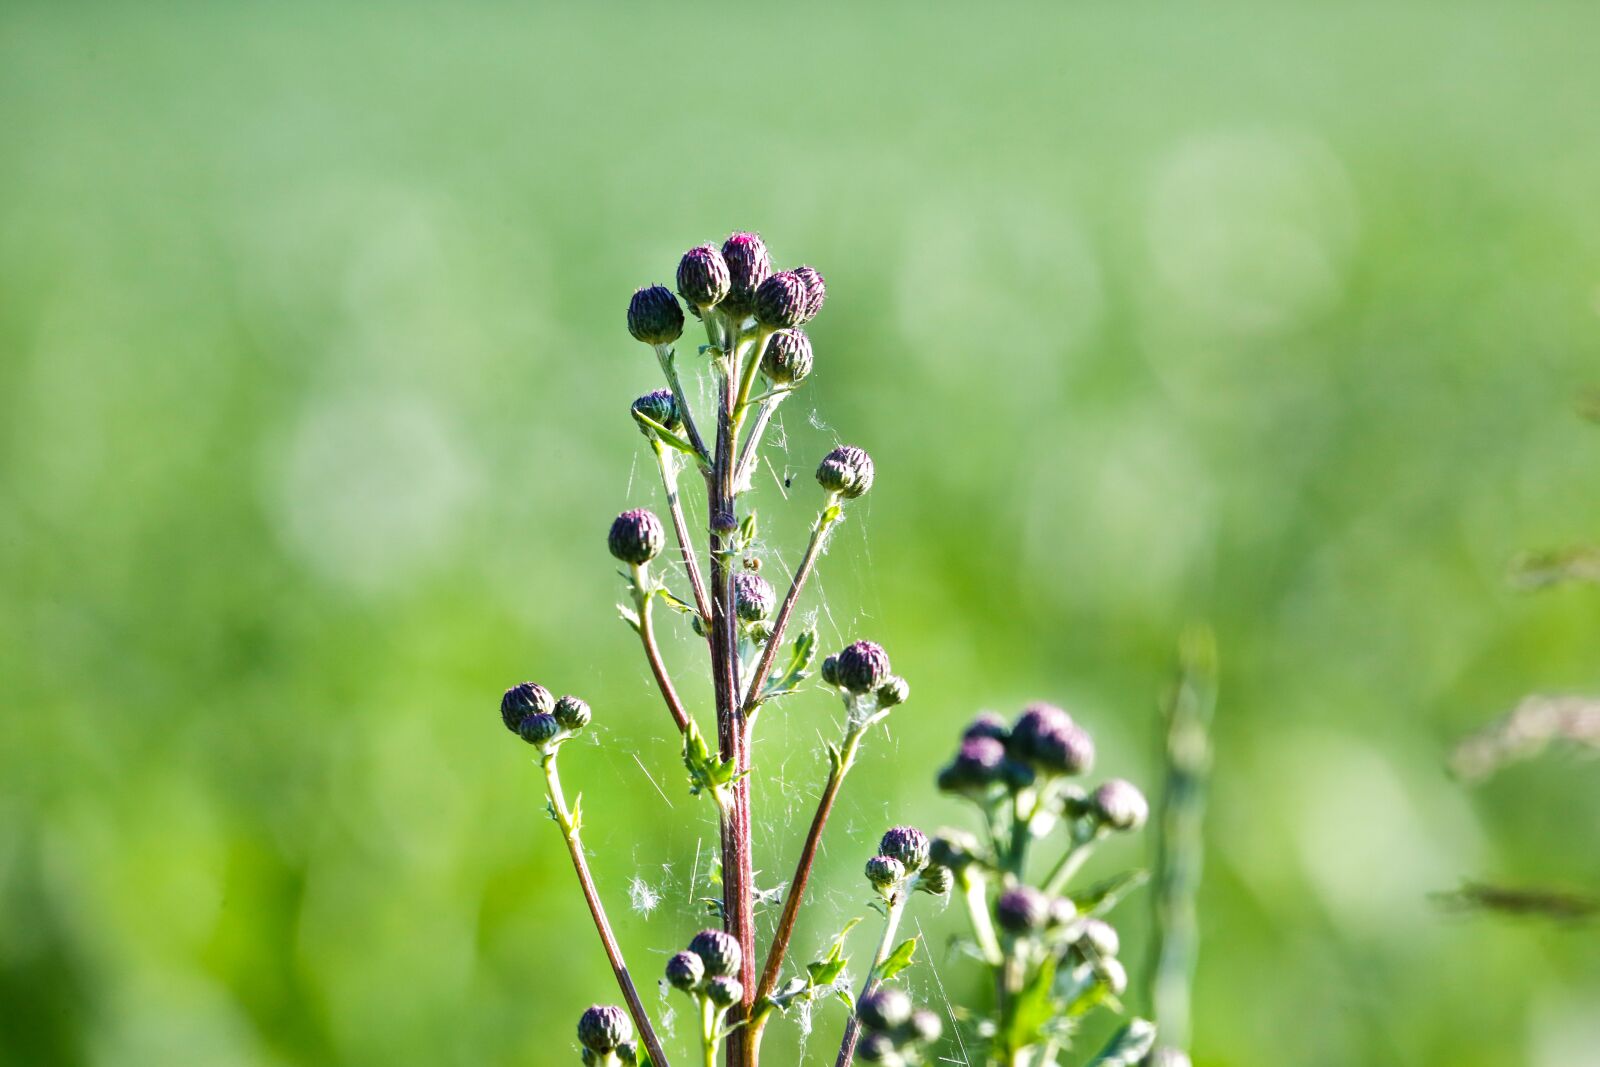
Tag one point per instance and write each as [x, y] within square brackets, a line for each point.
[819, 534]
[680, 529]
[891, 925]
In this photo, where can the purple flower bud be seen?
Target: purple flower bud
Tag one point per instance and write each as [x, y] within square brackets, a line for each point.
[660, 407]
[1022, 910]
[719, 951]
[749, 264]
[885, 1008]
[781, 301]
[539, 729]
[986, 724]
[876, 1046]
[787, 359]
[894, 691]
[847, 470]
[636, 536]
[936, 880]
[816, 290]
[1036, 719]
[724, 523]
[753, 597]
[603, 1027]
[862, 667]
[925, 1027]
[703, 277]
[572, 714]
[654, 316]
[724, 991]
[908, 845]
[885, 872]
[977, 765]
[1064, 751]
[522, 700]
[1119, 805]
[685, 971]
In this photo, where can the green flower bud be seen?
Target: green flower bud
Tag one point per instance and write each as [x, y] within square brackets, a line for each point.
[753, 597]
[718, 950]
[1062, 911]
[788, 357]
[686, 971]
[847, 470]
[573, 714]
[636, 536]
[908, 845]
[885, 1008]
[937, 881]
[1113, 975]
[660, 407]
[724, 991]
[1119, 805]
[885, 872]
[539, 730]
[603, 1027]
[522, 700]
[703, 277]
[654, 316]
[830, 670]
[780, 301]
[894, 691]
[628, 1053]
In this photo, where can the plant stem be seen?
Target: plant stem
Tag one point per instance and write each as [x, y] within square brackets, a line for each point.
[975, 897]
[708, 1032]
[891, 925]
[569, 832]
[819, 534]
[802, 873]
[642, 599]
[691, 562]
[744, 469]
[669, 368]
[1069, 864]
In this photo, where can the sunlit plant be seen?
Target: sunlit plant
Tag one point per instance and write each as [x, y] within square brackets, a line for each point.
[1051, 954]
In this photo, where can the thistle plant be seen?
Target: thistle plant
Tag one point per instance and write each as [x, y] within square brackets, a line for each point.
[1052, 956]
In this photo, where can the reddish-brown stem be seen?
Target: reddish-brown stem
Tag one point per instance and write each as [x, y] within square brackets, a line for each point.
[819, 534]
[652, 652]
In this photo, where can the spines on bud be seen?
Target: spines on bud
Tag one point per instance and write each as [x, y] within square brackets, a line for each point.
[659, 407]
[718, 950]
[816, 290]
[780, 301]
[753, 597]
[703, 278]
[636, 536]
[788, 357]
[572, 713]
[847, 470]
[602, 1028]
[749, 264]
[861, 667]
[908, 845]
[522, 700]
[654, 316]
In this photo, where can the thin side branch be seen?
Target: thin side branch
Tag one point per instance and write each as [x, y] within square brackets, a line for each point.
[652, 651]
[819, 533]
[680, 529]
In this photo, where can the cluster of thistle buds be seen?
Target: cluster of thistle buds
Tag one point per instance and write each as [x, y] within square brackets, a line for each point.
[1023, 778]
[893, 1031]
[606, 1037]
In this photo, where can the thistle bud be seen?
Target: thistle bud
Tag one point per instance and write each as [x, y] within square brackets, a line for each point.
[659, 407]
[572, 714]
[1099, 938]
[885, 872]
[749, 264]
[862, 667]
[1062, 911]
[986, 724]
[1036, 719]
[654, 316]
[906, 844]
[522, 700]
[636, 536]
[816, 290]
[540, 729]
[952, 848]
[830, 670]
[937, 880]
[719, 951]
[753, 597]
[885, 1008]
[724, 523]
[878, 1047]
[788, 357]
[1113, 975]
[685, 971]
[724, 991]
[925, 1027]
[1047, 738]
[703, 277]
[602, 1028]
[847, 470]
[1017, 775]
[894, 691]
[1119, 805]
[1022, 910]
[780, 301]
[628, 1053]
[978, 764]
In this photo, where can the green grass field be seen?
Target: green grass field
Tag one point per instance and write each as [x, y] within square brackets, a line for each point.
[313, 390]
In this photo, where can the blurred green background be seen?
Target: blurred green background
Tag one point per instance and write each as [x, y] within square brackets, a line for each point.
[314, 382]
